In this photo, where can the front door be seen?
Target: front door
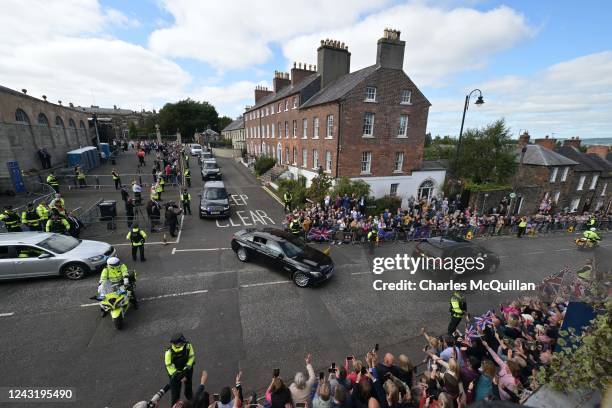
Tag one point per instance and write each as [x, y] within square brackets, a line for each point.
[7, 269]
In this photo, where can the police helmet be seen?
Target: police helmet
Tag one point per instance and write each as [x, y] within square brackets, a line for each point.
[178, 338]
[113, 261]
[593, 229]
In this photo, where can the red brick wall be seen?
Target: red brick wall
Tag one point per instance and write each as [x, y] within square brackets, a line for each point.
[389, 83]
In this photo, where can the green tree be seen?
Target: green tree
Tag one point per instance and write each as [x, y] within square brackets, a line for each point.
[486, 155]
[187, 116]
[346, 186]
[319, 187]
[583, 362]
[222, 123]
[132, 131]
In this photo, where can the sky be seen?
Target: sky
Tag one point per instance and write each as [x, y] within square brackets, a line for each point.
[543, 66]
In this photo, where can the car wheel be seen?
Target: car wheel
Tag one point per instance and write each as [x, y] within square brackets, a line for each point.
[75, 271]
[241, 253]
[301, 279]
[493, 269]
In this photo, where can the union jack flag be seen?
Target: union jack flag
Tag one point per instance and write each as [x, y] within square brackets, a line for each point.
[484, 320]
[470, 332]
[319, 234]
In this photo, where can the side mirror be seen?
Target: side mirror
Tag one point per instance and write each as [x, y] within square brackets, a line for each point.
[280, 256]
[44, 256]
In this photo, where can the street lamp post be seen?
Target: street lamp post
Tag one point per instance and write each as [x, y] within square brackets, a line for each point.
[478, 102]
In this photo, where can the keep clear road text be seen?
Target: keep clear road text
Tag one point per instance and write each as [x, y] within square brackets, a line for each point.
[244, 218]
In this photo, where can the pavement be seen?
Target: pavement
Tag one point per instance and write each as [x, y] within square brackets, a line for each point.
[239, 316]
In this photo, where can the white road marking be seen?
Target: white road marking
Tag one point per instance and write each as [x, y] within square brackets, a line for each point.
[168, 295]
[151, 243]
[178, 237]
[267, 190]
[6, 314]
[264, 284]
[199, 249]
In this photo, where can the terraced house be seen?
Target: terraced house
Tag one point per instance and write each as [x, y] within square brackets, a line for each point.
[369, 124]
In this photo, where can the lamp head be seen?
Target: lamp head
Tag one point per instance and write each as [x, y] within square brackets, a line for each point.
[479, 101]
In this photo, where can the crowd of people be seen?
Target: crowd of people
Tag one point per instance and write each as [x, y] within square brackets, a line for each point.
[494, 358]
[348, 219]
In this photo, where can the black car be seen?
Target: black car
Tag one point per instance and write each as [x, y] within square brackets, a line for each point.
[444, 248]
[214, 201]
[282, 251]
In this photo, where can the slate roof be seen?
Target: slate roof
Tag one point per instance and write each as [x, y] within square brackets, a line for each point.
[235, 125]
[537, 155]
[441, 164]
[585, 161]
[603, 163]
[340, 87]
[286, 91]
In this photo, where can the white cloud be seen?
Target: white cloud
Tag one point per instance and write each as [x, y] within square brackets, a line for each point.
[571, 98]
[439, 42]
[238, 34]
[61, 48]
[231, 99]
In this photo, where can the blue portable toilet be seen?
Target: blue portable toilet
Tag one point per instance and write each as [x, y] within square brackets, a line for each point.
[86, 157]
[104, 147]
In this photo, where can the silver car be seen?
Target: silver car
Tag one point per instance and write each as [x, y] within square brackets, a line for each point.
[33, 254]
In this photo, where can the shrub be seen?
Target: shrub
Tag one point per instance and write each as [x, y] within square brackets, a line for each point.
[378, 206]
[347, 186]
[297, 188]
[263, 164]
[319, 188]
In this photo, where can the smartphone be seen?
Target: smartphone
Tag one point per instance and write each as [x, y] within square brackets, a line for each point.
[376, 347]
[276, 372]
[215, 397]
[333, 366]
[321, 376]
[349, 358]
[364, 371]
[300, 405]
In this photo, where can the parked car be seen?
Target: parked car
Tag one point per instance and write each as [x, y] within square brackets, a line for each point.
[210, 170]
[214, 200]
[455, 248]
[33, 254]
[283, 252]
[195, 149]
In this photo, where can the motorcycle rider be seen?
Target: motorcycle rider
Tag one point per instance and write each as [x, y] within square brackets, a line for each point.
[591, 235]
[116, 273]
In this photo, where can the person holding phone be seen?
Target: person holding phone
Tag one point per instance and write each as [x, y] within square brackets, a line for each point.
[277, 394]
[301, 387]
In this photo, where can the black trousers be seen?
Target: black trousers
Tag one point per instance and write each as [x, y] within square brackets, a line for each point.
[35, 227]
[175, 387]
[188, 180]
[172, 227]
[186, 207]
[452, 325]
[287, 206]
[117, 183]
[136, 249]
[521, 232]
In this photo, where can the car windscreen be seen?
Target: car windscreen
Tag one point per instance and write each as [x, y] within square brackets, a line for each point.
[59, 244]
[210, 165]
[215, 194]
[429, 249]
[196, 147]
[291, 249]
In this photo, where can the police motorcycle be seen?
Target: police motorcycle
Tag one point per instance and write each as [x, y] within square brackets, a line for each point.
[586, 243]
[115, 299]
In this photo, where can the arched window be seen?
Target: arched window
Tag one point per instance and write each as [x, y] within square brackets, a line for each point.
[82, 125]
[71, 124]
[21, 116]
[42, 119]
[59, 121]
[426, 189]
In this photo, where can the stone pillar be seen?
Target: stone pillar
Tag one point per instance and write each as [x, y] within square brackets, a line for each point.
[158, 134]
[178, 135]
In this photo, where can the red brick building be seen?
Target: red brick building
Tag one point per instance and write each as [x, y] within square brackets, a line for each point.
[369, 124]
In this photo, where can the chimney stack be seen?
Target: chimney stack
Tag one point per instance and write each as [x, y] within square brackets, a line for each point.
[333, 61]
[390, 50]
[548, 142]
[298, 74]
[600, 150]
[260, 92]
[573, 141]
[280, 80]
[523, 139]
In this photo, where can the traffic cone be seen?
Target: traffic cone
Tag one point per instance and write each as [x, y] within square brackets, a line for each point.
[164, 239]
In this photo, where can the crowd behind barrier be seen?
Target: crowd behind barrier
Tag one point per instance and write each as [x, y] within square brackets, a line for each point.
[343, 220]
[495, 357]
